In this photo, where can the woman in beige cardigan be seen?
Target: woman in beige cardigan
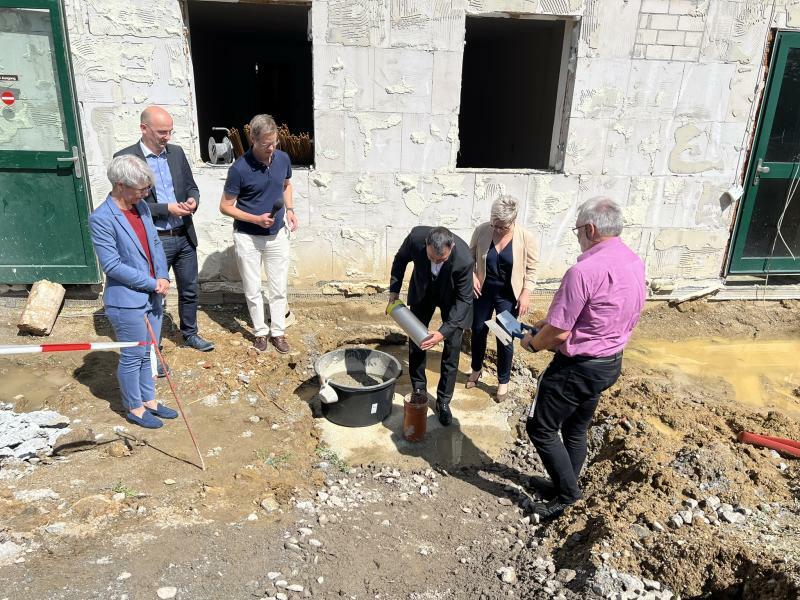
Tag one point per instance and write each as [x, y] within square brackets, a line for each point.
[505, 267]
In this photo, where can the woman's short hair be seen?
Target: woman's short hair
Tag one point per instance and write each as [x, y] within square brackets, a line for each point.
[261, 124]
[130, 170]
[504, 210]
[603, 213]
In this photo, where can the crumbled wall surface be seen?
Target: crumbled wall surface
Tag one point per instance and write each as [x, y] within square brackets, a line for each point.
[659, 115]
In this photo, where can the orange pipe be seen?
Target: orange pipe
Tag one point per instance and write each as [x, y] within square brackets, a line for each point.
[782, 445]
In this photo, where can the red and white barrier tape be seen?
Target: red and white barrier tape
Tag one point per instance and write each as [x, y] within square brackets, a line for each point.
[34, 349]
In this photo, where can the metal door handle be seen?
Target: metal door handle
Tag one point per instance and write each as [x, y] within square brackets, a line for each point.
[75, 159]
[760, 168]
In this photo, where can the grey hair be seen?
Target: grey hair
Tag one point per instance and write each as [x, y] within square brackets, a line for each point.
[603, 213]
[130, 170]
[504, 210]
[440, 239]
[261, 124]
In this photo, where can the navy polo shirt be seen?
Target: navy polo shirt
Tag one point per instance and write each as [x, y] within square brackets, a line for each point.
[257, 187]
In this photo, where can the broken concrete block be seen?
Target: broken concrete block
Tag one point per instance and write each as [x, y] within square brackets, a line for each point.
[46, 418]
[31, 447]
[42, 308]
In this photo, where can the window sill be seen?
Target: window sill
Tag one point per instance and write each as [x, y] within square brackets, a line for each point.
[508, 171]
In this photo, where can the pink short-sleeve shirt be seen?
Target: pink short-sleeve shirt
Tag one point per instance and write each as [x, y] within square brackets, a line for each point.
[600, 300]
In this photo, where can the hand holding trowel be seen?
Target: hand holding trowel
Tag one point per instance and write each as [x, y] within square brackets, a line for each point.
[506, 328]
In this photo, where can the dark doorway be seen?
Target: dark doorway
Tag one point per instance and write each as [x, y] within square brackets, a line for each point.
[509, 92]
[250, 59]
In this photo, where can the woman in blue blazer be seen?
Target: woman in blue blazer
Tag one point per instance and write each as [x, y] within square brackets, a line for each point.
[131, 256]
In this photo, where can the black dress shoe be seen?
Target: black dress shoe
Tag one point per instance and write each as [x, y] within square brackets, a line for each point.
[198, 343]
[547, 511]
[543, 487]
[443, 410]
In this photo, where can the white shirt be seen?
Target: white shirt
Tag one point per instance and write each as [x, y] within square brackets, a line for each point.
[435, 268]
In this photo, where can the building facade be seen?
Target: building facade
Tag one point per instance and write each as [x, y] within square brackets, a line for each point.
[424, 111]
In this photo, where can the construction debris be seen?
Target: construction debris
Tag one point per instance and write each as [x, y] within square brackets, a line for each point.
[42, 308]
[27, 435]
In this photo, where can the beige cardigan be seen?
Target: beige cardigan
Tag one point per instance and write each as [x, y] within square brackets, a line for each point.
[526, 256]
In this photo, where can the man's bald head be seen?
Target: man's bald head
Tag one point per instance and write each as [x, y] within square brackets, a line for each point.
[156, 126]
[153, 112]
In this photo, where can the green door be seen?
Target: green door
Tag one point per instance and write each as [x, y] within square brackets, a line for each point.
[767, 238]
[44, 198]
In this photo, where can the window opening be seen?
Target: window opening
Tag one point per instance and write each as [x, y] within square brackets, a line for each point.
[250, 59]
[512, 93]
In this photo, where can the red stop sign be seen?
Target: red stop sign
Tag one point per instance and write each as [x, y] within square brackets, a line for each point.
[8, 98]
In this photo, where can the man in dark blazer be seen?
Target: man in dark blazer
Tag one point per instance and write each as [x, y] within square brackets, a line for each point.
[172, 201]
[442, 277]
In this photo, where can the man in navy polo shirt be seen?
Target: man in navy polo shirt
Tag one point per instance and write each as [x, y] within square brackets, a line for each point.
[258, 195]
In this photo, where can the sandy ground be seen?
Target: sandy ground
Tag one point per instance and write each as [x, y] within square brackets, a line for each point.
[290, 500]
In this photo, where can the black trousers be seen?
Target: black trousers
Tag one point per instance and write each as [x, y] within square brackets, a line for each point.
[182, 258]
[493, 298]
[565, 402]
[417, 358]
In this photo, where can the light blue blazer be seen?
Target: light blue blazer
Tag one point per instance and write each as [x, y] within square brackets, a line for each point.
[122, 258]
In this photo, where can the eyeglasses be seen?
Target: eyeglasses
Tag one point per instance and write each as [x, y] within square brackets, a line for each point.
[144, 191]
[267, 145]
[161, 132]
[577, 230]
[498, 227]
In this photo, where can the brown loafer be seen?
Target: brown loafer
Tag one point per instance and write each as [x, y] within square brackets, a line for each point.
[260, 343]
[280, 343]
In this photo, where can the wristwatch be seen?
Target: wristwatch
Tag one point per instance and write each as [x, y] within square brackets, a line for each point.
[289, 209]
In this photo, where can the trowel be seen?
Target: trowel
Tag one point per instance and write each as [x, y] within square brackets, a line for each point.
[506, 328]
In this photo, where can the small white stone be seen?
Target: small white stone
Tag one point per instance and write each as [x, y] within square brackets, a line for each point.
[281, 583]
[320, 579]
[165, 593]
[118, 497]
[254, 419]
[123, 576]
[169, 482]
[252, 517]
[295, 587]
[507, 575]
[273, 575]
[315, 543]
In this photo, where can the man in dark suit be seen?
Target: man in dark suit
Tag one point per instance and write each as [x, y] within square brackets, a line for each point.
[442, 277]
[172, 201]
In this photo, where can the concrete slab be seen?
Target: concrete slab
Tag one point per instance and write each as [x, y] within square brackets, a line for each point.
[479, 430]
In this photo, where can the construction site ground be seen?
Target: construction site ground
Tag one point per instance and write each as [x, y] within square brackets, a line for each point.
[291, 506]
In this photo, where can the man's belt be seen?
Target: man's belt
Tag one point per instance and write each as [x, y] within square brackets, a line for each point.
[172, 232]
[595, 360]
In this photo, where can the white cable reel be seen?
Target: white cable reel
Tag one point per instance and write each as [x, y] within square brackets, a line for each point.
[220, 152]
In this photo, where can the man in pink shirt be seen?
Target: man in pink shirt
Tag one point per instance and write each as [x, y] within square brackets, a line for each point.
[589, 323]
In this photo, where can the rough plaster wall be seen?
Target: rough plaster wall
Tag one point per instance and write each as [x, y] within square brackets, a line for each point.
[662, 135]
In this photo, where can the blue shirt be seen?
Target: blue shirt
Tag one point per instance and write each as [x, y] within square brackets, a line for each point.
[165, 190]
[257, 187]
